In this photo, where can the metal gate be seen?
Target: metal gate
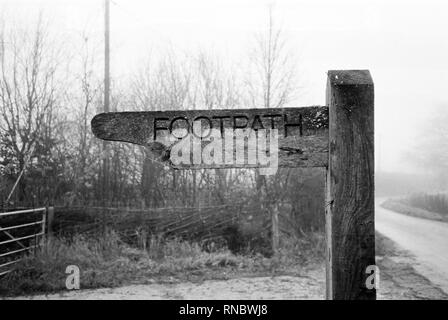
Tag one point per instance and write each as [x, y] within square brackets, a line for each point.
[20, 232]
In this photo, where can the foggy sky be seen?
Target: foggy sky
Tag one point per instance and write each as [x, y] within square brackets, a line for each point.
[403, 43]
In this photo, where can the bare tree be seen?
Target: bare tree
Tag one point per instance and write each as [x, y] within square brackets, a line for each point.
[162, 85]
[272, 78]
[214, 86]
[430, 152]
[83, 98]
[28, 91]
[196, 82]
[271, 83]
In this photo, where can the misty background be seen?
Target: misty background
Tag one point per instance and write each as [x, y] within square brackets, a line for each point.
[402, 43]
[123, 216]
[208, 55]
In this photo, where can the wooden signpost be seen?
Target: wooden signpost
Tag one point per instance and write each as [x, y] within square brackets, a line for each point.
[338, 136]
[303, 132]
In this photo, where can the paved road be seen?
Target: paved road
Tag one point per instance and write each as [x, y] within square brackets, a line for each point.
[426, 239]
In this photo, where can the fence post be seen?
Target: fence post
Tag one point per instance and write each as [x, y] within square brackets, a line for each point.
[44, 225]
[350, 185]
[275, 231]
[50, 218]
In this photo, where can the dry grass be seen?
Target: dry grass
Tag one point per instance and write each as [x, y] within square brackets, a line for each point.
[106, 261]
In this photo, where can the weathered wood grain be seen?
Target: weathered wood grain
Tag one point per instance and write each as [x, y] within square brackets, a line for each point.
[350, 185]
[303, 132]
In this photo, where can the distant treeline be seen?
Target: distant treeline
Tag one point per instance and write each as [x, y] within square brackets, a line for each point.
[437, 203]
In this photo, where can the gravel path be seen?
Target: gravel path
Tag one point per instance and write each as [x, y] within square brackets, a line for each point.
[311, 286]
[399, 280]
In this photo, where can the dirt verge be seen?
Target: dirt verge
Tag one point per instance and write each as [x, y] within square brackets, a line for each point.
[399, 279]
[400, 207]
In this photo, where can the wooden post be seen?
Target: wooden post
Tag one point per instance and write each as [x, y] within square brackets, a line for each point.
[350, 185]
[50, 218]
[44, 226]
[275, 230]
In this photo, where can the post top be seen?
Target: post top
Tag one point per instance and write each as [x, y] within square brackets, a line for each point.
[350, 77]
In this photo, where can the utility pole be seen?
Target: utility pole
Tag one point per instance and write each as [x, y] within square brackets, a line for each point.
[106, 56]
[106, 184]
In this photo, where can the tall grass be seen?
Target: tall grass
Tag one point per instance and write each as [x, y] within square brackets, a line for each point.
[106, 261]
[101, 261]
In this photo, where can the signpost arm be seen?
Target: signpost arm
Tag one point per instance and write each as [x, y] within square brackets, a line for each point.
[350, 185]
